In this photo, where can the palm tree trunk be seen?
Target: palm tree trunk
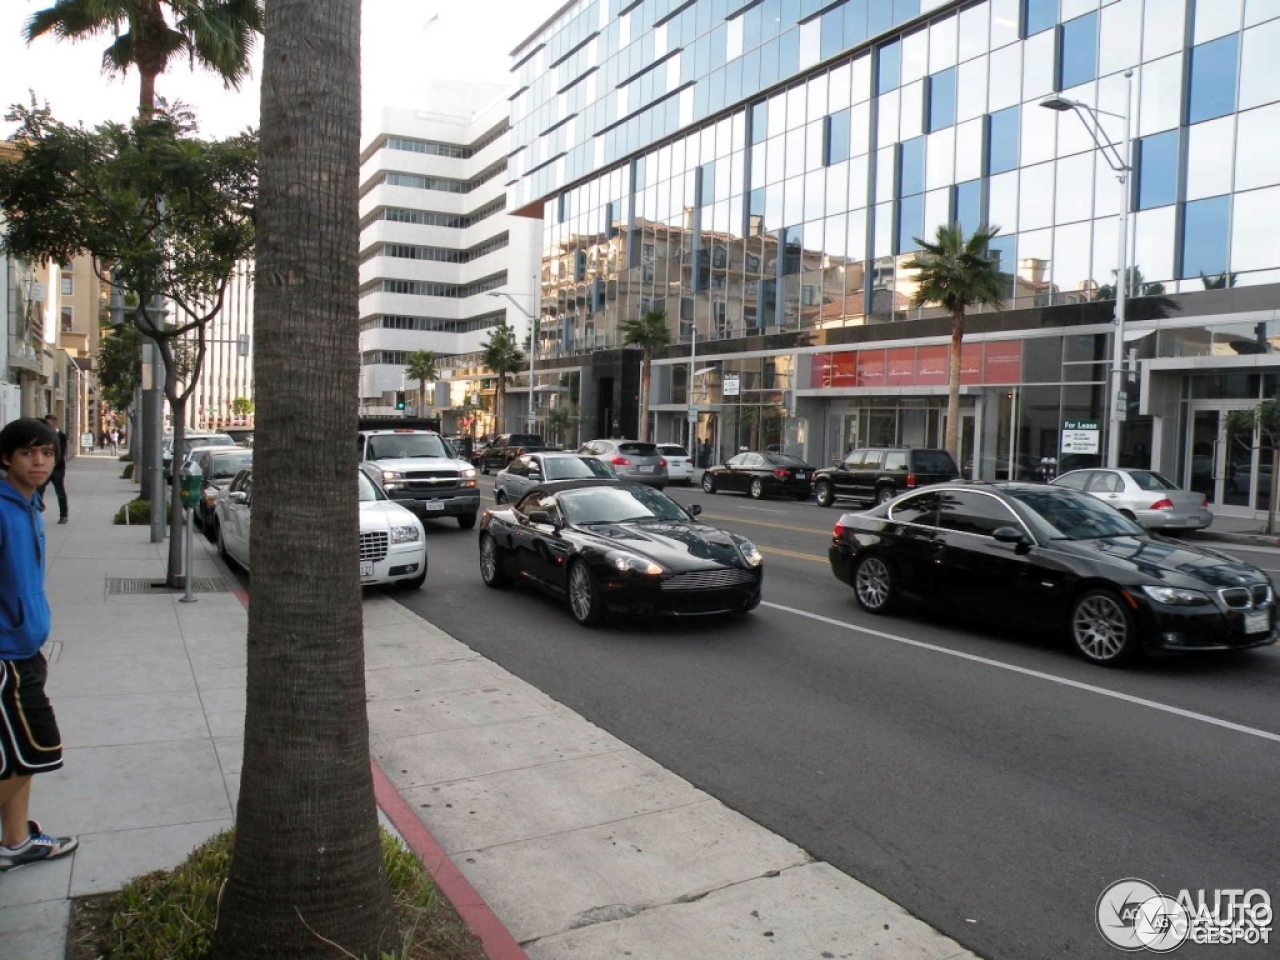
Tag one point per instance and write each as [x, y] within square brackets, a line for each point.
[306, 873]
[500, 406]
[422, 398]
[953, 384]
[644, 396]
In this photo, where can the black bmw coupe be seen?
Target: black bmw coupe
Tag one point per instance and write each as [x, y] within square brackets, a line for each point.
[608, 547]
[1036, 555]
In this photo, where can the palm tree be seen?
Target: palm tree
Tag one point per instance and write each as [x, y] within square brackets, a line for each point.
[422, 367]
[306, 878]
[957, 274]
[503, 357]
[217, 34]
[649, 333]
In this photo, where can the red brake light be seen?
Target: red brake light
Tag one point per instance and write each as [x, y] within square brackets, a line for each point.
[662, 462]
[838, 531]
[1165, 504]
[911, 479]
[620, 462]
[780, 473]
[1204, 504]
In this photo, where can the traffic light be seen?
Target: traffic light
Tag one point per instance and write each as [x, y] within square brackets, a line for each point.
[399, 399]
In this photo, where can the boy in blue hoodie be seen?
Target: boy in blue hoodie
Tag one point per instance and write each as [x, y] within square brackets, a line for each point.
[29, 738]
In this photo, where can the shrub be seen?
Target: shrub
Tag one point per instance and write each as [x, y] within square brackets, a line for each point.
[127, 473]
[139, 513]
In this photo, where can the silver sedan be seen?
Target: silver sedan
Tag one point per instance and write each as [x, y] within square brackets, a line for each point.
[1143, 495]
[524, 473]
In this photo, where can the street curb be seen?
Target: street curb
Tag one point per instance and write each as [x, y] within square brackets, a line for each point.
[497, 940]
[1243, 539]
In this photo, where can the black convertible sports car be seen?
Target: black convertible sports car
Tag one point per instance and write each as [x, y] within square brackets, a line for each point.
[611, 547]
[1036, 555]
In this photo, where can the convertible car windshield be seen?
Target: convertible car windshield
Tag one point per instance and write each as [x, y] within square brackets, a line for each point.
[618, 505]
[1070, 515]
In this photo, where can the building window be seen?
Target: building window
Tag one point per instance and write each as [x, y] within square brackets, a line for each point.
[889, 72]
[1038, 16]
[68, 285]
[1078, 51]
[836, 138]
[910, 223]
[1002, 141]
[911, 167]
[1157, 167]
[1213, 79]
[68, 320]
[1204, 238]
[941, 107]
[759, 121]
[968, 205]
[706, 184]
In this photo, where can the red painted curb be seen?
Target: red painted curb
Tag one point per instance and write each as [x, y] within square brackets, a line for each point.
[498, 942]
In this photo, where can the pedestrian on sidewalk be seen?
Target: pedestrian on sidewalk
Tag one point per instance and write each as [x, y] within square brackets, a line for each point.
[59, 476]
[114, 435]
[29, 738]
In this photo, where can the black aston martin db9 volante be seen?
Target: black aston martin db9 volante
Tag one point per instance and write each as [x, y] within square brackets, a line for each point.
[613, 547]
[1036, 555]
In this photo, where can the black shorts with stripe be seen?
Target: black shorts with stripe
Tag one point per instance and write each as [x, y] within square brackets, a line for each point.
[29, 738]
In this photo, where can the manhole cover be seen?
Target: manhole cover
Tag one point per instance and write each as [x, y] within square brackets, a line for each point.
[117, 585]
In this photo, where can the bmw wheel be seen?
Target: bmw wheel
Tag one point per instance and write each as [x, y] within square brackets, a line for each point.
[873, 584]
[499, 495]
[823, 494]
[708, 483]
[757, 489]
[491, 567]
[1103, 629]
[584, 595]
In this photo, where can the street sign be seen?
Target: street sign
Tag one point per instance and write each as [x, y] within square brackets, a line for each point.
[1121, 411]
[693, 414]
[731, 385]
[1081, 436]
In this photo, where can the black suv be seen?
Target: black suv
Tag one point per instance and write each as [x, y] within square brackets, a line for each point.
[877, 474]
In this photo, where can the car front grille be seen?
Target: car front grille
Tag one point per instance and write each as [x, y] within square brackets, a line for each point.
[431, 477]
[708, 580]
[373, 546]
[1244, 598]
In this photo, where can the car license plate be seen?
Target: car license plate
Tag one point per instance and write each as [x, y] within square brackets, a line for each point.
[366, 568]
[433, 505]
[1194, 521]
[1258, 622]
[799, 474]
[646, 469]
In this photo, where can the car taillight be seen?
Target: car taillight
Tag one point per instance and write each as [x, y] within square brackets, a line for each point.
[1165, 504]
[1204, 504]
[620, 462]
[662, 463]
[838, 532]
[780, 473]
[911, 479]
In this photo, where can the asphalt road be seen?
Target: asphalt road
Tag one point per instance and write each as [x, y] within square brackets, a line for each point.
[991, 783]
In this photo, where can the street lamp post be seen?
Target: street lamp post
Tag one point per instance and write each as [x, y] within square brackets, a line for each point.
[530, 418]
[1122, 164]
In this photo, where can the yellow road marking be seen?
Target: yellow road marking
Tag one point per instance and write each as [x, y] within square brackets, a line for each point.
[792, 553]
[765, 523]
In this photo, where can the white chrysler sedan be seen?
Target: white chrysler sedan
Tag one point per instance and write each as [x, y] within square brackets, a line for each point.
[393, 544]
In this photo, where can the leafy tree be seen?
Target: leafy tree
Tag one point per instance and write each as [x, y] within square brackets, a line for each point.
[171, 213]
[422, 367]
[956, 273]
[242, 406]
[560, 421]
[1265, 418]
[216, 34]
[503, 357]
[117, 367]
[306, 878]
[649, 332]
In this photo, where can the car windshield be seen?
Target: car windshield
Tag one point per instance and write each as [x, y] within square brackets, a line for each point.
[226, 466]
[1148, 480]
[1070, 515]
[618, 504]
[673, 450]
[784, 460]
[574, 468]
[189, 442]
[397, 446]
[368, 489]
[638, 449]
[934, 461]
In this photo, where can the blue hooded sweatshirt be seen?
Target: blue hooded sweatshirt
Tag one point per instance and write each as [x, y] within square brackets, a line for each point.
[24, 611]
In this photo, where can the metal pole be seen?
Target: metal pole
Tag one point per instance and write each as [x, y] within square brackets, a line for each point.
[158, 513]
[1117, 381]
[693, 398]
[189, 575]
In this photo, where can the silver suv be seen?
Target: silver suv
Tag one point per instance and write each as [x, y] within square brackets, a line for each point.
[633, 460]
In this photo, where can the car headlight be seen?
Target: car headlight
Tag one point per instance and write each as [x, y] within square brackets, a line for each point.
[630, 563]
[1176, 597]
[389, 476]
[751, 553]
[468, 473]
[405, 534]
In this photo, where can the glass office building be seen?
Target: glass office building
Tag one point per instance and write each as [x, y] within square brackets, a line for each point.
[761, 171]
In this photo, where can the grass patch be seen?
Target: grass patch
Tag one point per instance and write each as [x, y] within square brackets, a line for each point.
[170, 914]
[139, 513]
[127, 457]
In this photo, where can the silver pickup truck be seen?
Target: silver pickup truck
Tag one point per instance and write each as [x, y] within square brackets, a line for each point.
[418, 471]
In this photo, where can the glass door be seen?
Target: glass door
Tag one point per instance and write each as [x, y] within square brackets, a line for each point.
[1222, 463]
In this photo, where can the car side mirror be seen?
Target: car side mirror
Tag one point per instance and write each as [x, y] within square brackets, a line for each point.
[694, 509]
[239, 496]
[1012, 535]
[541, 517]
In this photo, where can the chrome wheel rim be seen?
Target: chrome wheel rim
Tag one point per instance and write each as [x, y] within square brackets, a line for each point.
[757, 489]
[580, 592]
[885, 496]
[872, 583]
[824, 494]
[1100, 628]
[707, 484]
[488, 560]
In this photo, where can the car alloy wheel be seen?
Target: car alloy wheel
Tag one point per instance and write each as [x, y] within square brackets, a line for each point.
[884, 494]
[499, 496]
[708, 483]
[1103, 628]
[873, 584]
[584, 595]
[824, 494]
[491, 571]
[757, 489]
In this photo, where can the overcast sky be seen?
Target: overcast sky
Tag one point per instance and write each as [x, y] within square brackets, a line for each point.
[402, 47]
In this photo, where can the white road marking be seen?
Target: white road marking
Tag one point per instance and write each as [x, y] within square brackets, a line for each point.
[762, 509]
[1037, 674]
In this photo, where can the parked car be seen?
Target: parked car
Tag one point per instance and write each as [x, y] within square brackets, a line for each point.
[761, 475]
[618, 547]
[525, 473]
[679, 463]
[1143, 495]
[1037, 555]
[393, 544]
[1242, 478]
[218, 467]
[190, 440]
[504, 448]
[631, 460]
[878, 474]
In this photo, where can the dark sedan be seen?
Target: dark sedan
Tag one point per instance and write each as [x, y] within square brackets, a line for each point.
[761, 475]
[1035, 555]
[609, 547]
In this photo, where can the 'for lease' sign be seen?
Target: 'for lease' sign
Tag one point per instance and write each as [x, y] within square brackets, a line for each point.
[1081, 436]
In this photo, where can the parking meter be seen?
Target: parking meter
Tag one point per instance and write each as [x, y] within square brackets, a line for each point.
[190, 476]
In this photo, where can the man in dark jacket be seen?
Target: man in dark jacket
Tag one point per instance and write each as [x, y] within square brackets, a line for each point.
[29, 738]
[59, 476]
